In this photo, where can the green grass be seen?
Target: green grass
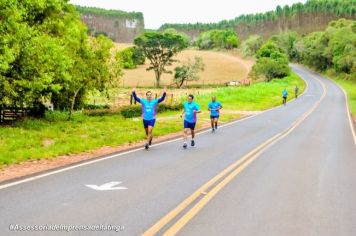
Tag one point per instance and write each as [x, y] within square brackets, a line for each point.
[259, 96]
[350, 88]
[26, 140]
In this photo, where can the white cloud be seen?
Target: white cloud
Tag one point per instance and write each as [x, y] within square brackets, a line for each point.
[158, 12]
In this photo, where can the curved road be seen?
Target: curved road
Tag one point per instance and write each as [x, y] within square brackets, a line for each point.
[288, 171]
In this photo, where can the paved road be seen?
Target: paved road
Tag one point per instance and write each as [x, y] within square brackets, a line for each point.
[301, 180]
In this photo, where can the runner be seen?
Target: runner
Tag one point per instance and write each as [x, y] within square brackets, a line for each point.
[149, 110]
[190, 118]
[296, 91]
[284, 96]
[214, 108]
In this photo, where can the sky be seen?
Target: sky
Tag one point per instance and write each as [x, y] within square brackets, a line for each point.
[158, 12]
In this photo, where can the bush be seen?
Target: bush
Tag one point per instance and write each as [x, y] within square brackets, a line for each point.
[37, 110]
[54, 116]
[271, 62]
[125, 58]
[221, 39]
[131, 111]
[101, 112]
[169, 107]
[271, 68]
[131, 57]
[95, 107]
[251, 45]
[138, 56]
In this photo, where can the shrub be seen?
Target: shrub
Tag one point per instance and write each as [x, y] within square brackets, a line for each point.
[271, 62]
[251, 45]
[54, 116]
[138, 56]
[221, 39]
[95, 107]
[125, 58]
[131, 111]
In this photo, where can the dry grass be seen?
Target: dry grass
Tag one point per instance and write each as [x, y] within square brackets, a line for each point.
[220, 67]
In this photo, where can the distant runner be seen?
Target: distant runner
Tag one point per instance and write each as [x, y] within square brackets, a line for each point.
[190, 118]
[214, 108]
[296, 91]
[149, 111]
[284, 96]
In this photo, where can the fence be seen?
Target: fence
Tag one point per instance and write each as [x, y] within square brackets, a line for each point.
[11, 113]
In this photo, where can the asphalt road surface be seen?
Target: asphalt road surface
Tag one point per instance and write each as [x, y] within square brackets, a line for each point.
[288, 171]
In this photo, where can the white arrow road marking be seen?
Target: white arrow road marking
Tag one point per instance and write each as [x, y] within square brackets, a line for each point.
[107, 186]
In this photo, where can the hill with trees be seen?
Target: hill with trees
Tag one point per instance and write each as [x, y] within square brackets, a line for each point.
[312, 16]
[118, 25]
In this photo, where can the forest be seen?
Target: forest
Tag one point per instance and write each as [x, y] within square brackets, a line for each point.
[303, 18]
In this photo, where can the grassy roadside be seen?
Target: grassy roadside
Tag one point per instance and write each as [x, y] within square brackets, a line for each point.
[35, 139]
[350, 88]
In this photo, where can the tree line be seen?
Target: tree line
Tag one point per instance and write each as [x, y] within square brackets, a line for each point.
[339, 8]
[331, 50]
[109, 13]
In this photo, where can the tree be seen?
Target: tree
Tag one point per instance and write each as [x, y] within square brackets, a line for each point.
[286, 42]
[251, 45]
[94, 70]
[221, 39]
[138, 56]
[271, 62]
[159, 49]
[124, 56]
[174, 31]
[130, 57]
[188, 71]
[47, 55]
[311, 50]
[333, 49]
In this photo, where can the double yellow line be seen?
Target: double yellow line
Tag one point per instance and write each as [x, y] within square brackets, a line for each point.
[207, 191]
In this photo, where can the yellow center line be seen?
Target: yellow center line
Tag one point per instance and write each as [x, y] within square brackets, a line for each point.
[240, 165]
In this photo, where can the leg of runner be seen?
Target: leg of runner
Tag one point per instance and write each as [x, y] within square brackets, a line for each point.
[212, 120]
[193, 135]
[147, 132]
[216, 123]
[185, 137]
[149, 135]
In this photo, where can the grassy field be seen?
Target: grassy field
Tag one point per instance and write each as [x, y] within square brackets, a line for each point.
[35, 139]
[220, 67]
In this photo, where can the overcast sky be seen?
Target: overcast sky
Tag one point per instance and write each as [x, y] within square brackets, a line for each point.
[158, 12]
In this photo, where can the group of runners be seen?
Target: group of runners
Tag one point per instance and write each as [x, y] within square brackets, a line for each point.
[189, 113]
[285, 94]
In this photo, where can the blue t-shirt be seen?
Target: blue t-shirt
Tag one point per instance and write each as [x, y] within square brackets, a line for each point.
[189, 114]
[214, 108]
[149, 108]
[285, 93]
